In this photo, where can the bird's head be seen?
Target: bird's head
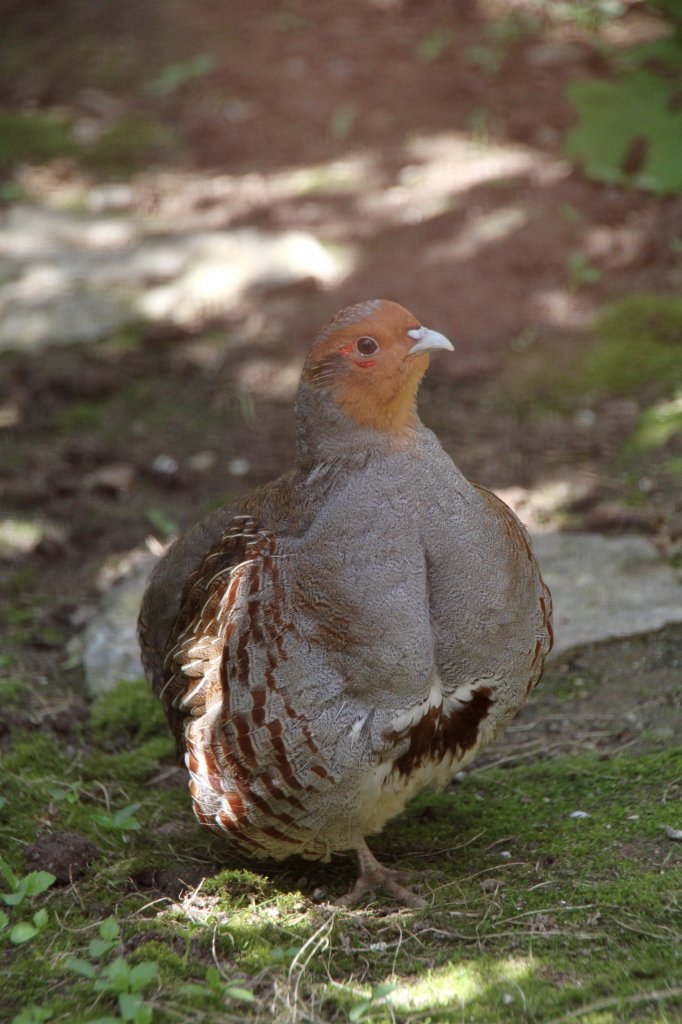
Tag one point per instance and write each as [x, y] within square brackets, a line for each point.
[368, 361]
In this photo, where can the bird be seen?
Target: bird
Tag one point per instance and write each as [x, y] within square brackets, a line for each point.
[354, 632]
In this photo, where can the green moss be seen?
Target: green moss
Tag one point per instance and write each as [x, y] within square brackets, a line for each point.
[638, 343]
[124, 147]
[128, 145]
[78, 417]
[132, 766]
[33, 754]
[579, 911]
[11, 693]
[33, 137]
[656, 426]
[127, 715]
[635, 351]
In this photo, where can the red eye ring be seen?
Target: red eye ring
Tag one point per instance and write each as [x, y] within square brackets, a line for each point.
[366, 346]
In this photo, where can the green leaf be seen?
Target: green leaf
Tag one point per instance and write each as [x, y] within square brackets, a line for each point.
[143, 974]
[143, 1014]
[383, 990]
[22, 932]
[82, 967]
[129, 1004]
[123, 820]
[161, 522]
[581, 270]
[13, 899]
[193, 988]
[174, 76]
[358, 1011]
[39, 881]
[4, 920]
[33, 1015]
[98, 947]
[117, 975]
[433, 45]
[213, 978]
[627, 120]
[3, 801]
[12, 879]
[667, 51]
[109, 929]
[40, 919]
[242, 994]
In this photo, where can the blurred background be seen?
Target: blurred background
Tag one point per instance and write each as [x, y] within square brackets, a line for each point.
[189, 191]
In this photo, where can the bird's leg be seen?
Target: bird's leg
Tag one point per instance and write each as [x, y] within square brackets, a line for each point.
[374, 875]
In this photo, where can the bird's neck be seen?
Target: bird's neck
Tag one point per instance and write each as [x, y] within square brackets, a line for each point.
[327, 434]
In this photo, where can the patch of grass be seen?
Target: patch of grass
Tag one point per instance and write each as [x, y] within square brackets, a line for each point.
[531, 913]
[636, 351]
[33, 137]
[127, 145]
[79, 417]
[127, 716]
[124, 146]
[638, 343]
[656, 426]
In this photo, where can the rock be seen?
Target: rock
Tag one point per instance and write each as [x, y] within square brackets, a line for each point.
[108, 647]
[116, 478]
[606, 587]
[68, 277]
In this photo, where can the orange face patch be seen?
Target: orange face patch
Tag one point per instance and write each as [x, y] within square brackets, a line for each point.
[378, 390]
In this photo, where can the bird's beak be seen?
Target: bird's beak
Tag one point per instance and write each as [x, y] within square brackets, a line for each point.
[428, 341]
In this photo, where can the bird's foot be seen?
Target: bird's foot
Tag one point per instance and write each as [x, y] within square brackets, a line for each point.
[374, 875]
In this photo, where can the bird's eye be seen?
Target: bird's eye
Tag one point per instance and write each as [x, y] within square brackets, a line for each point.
[366, 346]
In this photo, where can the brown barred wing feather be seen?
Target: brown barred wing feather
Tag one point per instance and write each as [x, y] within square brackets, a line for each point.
[250, 750]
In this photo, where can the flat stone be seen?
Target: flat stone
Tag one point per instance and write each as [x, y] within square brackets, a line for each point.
[602, 587]
[606, 587]
[108, 646]
[67, 277]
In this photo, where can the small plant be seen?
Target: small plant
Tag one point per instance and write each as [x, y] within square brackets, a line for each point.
[24, 931]
[173, 77]
[376, 998]
[68, 792]
[161, 522]
[216, 987]
[119, 821]
[23, 888]
[502, 36]
[629, 128]
[33, 1015]
[109, 937]
[588, 14]
[434, 45]
[121, 980]
[342, 121]
[582, 271]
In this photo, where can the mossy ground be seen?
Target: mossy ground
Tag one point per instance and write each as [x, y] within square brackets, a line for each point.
[532, 914]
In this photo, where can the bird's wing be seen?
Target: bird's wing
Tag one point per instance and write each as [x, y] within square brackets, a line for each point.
[249, 746]
[528, 579]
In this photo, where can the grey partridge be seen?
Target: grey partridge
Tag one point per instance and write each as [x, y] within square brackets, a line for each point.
[352, 632]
